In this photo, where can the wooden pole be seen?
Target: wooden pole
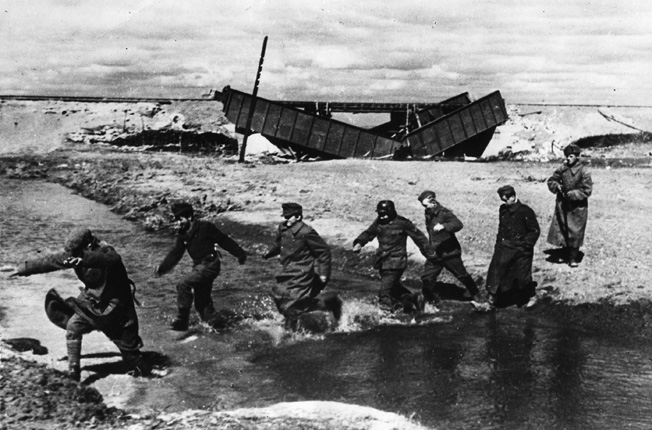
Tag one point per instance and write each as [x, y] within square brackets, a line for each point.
[252, 105]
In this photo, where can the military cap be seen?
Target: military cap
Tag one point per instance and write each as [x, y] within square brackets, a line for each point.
[506, 191]
[57, 310]
[572, 149]
[427, 194]
[77, 239]
[290, 209]
[182, 210]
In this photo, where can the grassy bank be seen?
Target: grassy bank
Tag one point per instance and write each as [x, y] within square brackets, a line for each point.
[339, 199]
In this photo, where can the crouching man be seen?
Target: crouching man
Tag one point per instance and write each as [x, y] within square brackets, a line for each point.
[306, 268]
[106, 303]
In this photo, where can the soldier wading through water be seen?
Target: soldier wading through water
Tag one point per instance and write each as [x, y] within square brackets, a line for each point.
[201, 239]
[442, 224]
[392, 231]
[306, 269]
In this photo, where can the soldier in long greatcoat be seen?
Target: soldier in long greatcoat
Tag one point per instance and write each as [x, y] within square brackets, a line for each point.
[392, 231]
[306, 265]
[509, 280]
[572, 184]
[105, 303]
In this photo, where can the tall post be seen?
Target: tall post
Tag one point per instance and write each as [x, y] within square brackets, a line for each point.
[252, 105]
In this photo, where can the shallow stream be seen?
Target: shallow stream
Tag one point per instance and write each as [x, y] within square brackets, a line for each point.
[507, 370]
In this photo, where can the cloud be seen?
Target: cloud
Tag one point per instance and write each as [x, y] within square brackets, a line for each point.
[556, 50]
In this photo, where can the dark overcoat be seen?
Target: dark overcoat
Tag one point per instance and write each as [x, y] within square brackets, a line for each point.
[304, 256]
[510, 270]
[201, 242]
[573, 186]
[107, 300]
[392, 242]
[443, 242]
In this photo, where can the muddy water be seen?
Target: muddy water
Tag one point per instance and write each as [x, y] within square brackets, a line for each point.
[508, 370]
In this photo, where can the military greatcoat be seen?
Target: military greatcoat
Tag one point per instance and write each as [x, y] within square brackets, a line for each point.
[106, 301]
[510, 271]
[573, 186]
[304, 257]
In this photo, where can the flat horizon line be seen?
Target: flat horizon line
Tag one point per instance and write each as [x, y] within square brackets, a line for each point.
[100, 99]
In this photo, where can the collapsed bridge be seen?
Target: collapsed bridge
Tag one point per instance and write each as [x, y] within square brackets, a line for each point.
[453, 128]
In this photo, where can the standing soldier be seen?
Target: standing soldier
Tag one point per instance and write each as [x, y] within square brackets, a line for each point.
[509, 281]
[306, 261]
[392, 231]
[573, 185]
[201, 239]
[442, 224]
[106, 303]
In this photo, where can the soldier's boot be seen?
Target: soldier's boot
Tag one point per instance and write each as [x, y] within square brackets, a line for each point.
[180, 323]
[136, 363]
[429, 291]
[472, 291]
[413, 303]
[421, 303]
[573, 256]
[74, 356]
[333, 302]
[207, 313]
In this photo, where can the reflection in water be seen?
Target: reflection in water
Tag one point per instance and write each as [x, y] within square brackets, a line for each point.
[567, 362]
[513, 382]
[508, 370]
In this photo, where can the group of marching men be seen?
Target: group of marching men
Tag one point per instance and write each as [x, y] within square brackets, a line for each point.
[107, 300]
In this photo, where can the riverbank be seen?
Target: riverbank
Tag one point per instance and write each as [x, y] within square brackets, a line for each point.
[37, 397]
[339, 199]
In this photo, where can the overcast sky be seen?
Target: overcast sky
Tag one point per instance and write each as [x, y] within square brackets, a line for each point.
[533, 51]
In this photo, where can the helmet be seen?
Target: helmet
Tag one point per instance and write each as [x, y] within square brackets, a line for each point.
[182, 209]
[386, 207]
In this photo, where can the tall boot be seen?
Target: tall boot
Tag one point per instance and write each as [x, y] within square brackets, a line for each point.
[74, 356]
[471, 287]
[429, 292]
[413, 303]
[181, 321]
[136, 363]
[207, 313]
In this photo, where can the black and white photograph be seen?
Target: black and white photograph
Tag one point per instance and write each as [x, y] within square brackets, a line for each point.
[325, 215]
